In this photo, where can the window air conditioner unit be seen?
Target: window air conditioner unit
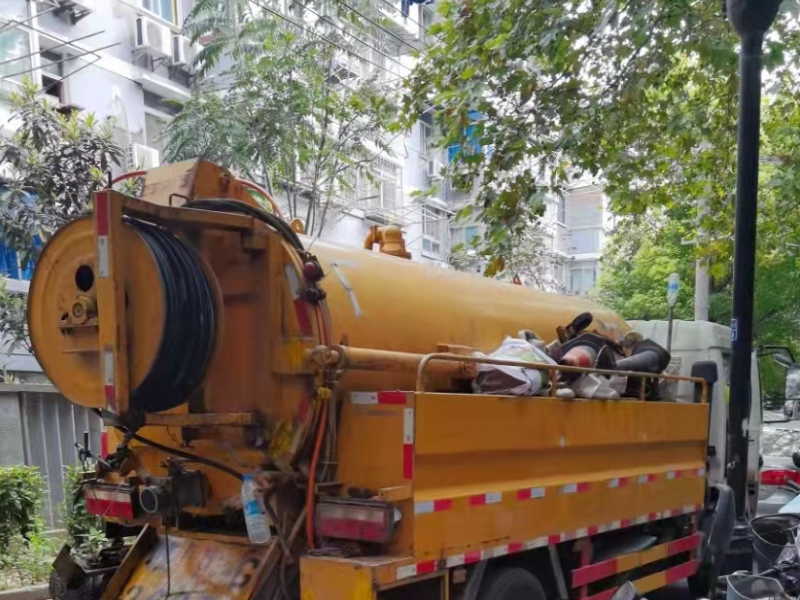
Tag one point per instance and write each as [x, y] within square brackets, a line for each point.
[434, 169]
[75, 9]
[144, 157]
[183, 51]
[153, 37]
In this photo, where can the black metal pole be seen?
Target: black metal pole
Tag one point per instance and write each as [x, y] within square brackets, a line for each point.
[751, 18]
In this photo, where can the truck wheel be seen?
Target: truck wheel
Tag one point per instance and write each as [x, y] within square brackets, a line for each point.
[512, 583]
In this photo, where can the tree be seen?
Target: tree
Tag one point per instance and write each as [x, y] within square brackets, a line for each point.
[643, 251]
[297, 110]
[53, 163]
[641, 93]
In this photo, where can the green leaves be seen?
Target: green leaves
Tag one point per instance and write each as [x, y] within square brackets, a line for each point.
[301, 112]
[21, 493]
[629, 91]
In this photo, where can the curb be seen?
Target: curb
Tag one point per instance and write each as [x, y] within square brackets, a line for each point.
[32, 592]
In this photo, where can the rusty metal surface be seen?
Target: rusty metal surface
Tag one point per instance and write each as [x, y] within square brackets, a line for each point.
[199, 570]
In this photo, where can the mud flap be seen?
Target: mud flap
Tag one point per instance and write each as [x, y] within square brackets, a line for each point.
[199, 568]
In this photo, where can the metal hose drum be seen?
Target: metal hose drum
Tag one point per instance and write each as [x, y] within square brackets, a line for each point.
[189, 324]
[774, 539]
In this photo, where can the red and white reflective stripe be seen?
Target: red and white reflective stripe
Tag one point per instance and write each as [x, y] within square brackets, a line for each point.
[487, 498]
[601, 570]
[575, 488]
[108, 503]
[109, 389]
[646, 477]
[377, 397]
[102, 226]
[673, 474]
[420, 568]
[408, 443]
[530, 493]
[681, 572]
[432, 506]
[618, 482]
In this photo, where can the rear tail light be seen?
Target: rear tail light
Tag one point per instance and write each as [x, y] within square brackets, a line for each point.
[779, 476]
[363, 520]
[105, 500]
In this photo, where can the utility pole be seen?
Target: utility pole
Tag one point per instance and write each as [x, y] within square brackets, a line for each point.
[702, 280]
[751, 19]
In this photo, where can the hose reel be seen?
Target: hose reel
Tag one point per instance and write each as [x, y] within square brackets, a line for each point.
[190, 323]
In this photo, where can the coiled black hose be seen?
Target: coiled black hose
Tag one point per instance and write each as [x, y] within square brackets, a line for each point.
[190, 323]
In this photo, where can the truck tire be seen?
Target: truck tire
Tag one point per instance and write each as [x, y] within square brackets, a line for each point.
[512, 583]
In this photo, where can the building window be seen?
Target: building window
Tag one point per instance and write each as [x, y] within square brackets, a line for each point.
[383, 189]
[426, 134]
[15, 45]
[582, 278]
[562, 210]
[166, 9]
[435, 224]
[585, 241]
[53, 74]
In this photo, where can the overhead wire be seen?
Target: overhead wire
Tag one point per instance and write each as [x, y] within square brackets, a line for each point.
[394, 7]
[380, 27]
[323, 38]
[66, 58]
[355, 37]
[50, 48]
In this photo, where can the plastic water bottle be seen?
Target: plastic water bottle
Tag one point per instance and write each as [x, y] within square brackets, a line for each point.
[255, 517]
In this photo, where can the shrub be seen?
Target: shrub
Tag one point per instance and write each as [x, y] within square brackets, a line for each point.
[84, 531]
[21, 492]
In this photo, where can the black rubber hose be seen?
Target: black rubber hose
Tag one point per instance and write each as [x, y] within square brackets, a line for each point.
[190, 323]
[224, 205]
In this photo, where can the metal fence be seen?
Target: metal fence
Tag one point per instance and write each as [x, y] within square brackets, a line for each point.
[40, 427]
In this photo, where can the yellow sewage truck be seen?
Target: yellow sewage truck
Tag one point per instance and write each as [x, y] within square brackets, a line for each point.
[224, 348]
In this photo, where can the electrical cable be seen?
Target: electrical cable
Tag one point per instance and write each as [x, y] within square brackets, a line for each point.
[366, 18]
[190, 323]
[182, 454]
[355, 37]
[312, 474]
[322, 37]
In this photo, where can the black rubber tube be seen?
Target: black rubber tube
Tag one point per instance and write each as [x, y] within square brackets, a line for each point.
[190, 323]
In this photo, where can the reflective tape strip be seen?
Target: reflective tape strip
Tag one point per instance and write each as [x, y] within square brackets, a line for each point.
[601, 570]
[454, 561]
[103, 257]
[646, 478]
[487, 498]
[408, 443]
[531, 493]
[575, 488]
[432, 506]
[397, 398]
[618, 482]
[539, 542]
[473, 556]
[109, 389]
[407, 571]
[101, 213]
[683, 571]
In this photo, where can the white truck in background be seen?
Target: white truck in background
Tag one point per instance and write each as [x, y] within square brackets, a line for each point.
[694, 341]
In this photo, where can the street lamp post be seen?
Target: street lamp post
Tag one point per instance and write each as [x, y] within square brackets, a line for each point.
[751, 19]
